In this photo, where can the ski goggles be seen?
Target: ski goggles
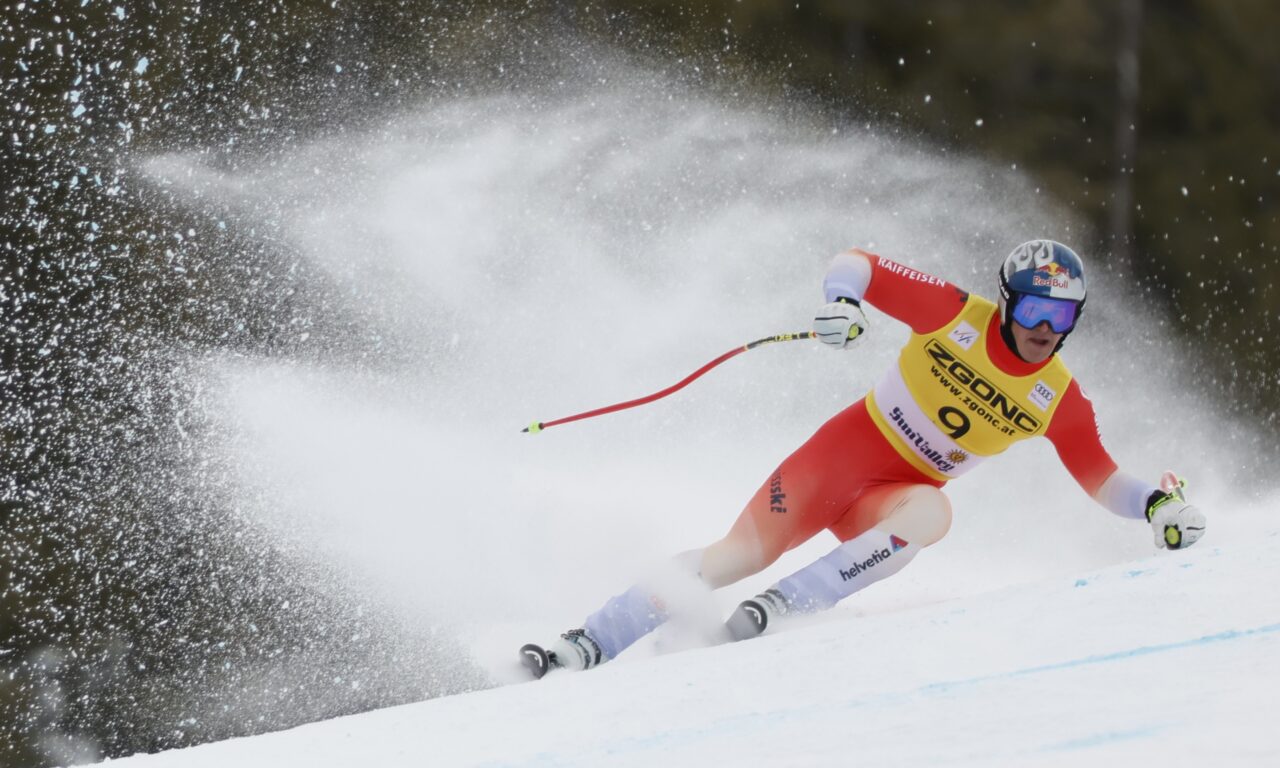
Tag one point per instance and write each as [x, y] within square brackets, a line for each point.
[1031, 311]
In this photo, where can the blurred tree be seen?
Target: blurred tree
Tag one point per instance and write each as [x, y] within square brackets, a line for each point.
[1128, 69]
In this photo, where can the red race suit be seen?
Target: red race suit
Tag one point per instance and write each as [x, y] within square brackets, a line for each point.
[956, 396]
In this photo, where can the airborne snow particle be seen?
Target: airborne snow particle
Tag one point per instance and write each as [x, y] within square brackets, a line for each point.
[141, 67]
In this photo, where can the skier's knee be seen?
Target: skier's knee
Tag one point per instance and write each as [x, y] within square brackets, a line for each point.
[923, 516]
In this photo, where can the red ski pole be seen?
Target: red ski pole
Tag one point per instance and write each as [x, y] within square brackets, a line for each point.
[538, 426]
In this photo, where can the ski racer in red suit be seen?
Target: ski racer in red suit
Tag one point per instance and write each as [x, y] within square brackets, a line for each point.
[974, 378]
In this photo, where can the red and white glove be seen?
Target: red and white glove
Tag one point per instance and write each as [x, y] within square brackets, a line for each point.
[1176, 523]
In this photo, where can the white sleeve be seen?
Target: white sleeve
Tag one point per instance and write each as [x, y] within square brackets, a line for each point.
[1125, 495]
[848, 276]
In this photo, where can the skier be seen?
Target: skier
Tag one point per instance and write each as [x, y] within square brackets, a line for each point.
[974, 378]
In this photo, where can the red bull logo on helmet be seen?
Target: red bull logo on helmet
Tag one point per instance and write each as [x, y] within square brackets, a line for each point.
[1051, 275]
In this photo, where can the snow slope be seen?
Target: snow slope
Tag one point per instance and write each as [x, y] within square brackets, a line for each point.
[1170, 660]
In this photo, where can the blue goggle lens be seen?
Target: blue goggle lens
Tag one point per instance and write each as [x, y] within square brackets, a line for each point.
[1030, 311]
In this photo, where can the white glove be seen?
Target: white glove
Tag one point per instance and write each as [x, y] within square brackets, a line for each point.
[840, 323]
[1176, 523]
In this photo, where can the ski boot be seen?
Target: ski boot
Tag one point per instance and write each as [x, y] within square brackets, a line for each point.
[753, 616]
[574, 650]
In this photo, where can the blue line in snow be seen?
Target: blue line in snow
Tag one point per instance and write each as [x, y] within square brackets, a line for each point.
[1100, 739]
[1231, 634]
[774, 719]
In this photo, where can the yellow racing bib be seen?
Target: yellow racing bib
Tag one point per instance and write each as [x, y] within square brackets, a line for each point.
[946, 406]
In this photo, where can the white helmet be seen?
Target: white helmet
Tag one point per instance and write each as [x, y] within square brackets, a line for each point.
[1041, 281]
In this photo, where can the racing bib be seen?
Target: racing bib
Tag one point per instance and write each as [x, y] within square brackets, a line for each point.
[946, 407]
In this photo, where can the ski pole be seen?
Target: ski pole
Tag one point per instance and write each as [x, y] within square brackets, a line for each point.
[538, 426]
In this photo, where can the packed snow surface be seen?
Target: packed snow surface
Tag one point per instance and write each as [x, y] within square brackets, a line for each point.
[1167, 660]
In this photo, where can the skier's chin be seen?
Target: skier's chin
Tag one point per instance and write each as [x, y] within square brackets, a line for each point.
[1037, 350]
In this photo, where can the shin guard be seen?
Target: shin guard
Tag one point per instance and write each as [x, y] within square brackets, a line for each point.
[848, 568]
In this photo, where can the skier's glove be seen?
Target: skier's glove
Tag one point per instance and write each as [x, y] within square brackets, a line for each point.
[840, 323]
[1176, 523]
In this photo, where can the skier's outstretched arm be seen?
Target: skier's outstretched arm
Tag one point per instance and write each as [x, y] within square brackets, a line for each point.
[920, 300]
[1074, 433]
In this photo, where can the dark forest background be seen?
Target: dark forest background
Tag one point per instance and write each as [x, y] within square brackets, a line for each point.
[138, 611]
